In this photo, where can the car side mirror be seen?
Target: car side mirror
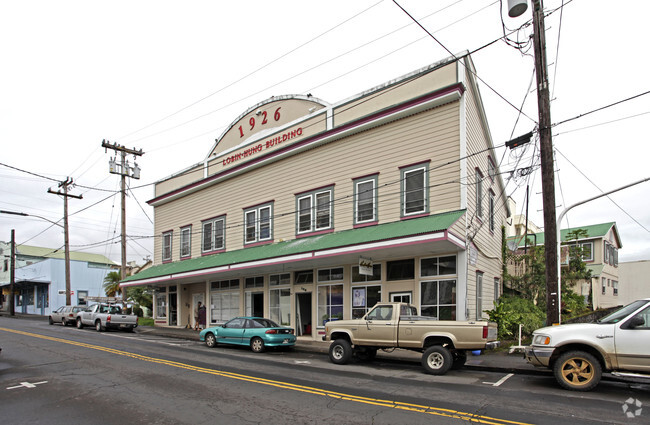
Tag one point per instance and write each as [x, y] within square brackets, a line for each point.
[635, 322]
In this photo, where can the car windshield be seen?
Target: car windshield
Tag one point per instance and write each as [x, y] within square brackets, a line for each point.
[618, 315]
[263, 323]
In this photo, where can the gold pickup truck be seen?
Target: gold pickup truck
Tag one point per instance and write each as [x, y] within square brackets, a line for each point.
[397, 325]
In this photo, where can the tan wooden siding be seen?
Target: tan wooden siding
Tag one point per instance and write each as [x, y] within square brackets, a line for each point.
[398, 93]
[428, 136]
[181, 179]
[487, 243]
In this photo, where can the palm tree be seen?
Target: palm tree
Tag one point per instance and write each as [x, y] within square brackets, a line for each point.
[112, 284]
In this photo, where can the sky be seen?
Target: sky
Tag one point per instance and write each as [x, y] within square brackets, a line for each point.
[168, 77]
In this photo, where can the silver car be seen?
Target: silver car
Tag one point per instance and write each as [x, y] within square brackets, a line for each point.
[66, 315]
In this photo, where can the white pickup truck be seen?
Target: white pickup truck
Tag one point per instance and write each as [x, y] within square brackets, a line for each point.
[106, 316]
[579, 353]
[443, 343]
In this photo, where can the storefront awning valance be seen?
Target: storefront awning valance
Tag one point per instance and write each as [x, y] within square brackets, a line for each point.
[415, 230]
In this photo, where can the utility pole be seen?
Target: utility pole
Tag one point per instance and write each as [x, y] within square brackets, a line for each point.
[12, 273]
[66, 239]
[124, 170]
[548, 174]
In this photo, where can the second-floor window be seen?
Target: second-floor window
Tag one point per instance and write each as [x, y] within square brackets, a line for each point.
[213, 234]
[186, 241]
[479, 194]
[258, 227]
[167, 246]
[492, 212]
[314, 211]
[414, 190]
[365, 200]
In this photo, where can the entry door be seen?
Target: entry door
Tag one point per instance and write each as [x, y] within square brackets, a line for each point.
[401, 297]
[196, 298]
[173, 310]
[303, 314]
[255, 304]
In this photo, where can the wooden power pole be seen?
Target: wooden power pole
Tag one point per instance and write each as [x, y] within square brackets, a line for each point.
[66, 239]
[548, 173]
[124, 170]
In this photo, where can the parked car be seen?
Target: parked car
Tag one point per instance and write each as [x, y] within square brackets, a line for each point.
[66, 315]
[579, 353]
[106, 316]
[256, 332]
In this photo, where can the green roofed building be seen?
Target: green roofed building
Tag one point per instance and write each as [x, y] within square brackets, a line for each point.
[600, 247]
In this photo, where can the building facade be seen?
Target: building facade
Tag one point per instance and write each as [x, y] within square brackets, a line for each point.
[305, 211]
[39, 281]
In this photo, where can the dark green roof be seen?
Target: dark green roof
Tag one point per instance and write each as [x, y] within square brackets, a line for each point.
[381, 232]
[593, 231]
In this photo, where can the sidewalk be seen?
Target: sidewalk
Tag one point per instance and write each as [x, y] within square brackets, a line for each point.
[490, 360]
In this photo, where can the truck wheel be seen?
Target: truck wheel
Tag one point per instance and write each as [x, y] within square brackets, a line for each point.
[577, 370]
[436, 360]
[257, 345]
[211, 340]
[79, 324]
[458, 359]
[366, 354]
[340, 351]
[98, 326]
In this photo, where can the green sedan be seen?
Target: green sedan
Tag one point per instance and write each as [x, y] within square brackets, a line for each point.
[256, 332]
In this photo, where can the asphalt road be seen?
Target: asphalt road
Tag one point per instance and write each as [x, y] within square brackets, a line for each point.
[62, 375]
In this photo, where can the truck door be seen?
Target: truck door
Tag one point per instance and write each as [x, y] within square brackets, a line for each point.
[379, 329]
[633, 343]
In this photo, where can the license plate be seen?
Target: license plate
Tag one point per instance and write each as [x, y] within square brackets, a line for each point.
[285, 341]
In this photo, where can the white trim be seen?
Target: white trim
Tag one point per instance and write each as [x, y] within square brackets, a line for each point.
[384, 244]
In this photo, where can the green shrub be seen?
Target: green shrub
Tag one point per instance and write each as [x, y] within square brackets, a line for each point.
[510, 311]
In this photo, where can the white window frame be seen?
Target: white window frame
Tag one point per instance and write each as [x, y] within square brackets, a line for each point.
[314, 210]
[257, 223]
[167, 245]
[492, 212]
[361, 200]
[186, 242]
[216, 232]
[479, 193]
[424, 190]
[479, 295]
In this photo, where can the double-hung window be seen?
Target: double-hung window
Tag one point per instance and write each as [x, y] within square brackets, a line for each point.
[479, 194]
[259, 223]
[365, 200]
[213, 234]
[314, 211]
[186, 241]
[492, 212]
[414, 189]
[167, 246]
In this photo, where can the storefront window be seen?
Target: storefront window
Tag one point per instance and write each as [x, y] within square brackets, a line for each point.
[438, 266]
[161, 305]
[224, 300]
[330, 303]
[376, 274]
[280, 307]
[438, 299]
[364, 298]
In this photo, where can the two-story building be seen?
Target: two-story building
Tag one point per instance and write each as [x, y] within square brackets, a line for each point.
[600, 248]
[305, 211]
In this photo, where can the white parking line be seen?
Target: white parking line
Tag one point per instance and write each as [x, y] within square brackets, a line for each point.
[500, 381]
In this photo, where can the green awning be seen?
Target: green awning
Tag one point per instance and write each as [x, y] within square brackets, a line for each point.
[312, 244]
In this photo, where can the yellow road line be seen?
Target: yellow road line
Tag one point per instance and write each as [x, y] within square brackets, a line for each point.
[470, 417]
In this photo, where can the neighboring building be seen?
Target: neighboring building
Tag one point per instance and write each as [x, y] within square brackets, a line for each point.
[518, 224]
[633, 281]
[39, 286]
[305, 211]
[600, 248]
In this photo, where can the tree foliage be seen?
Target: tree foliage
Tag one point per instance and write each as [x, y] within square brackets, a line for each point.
[112, 284]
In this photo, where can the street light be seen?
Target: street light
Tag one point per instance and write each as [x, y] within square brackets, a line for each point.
[30, 215]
